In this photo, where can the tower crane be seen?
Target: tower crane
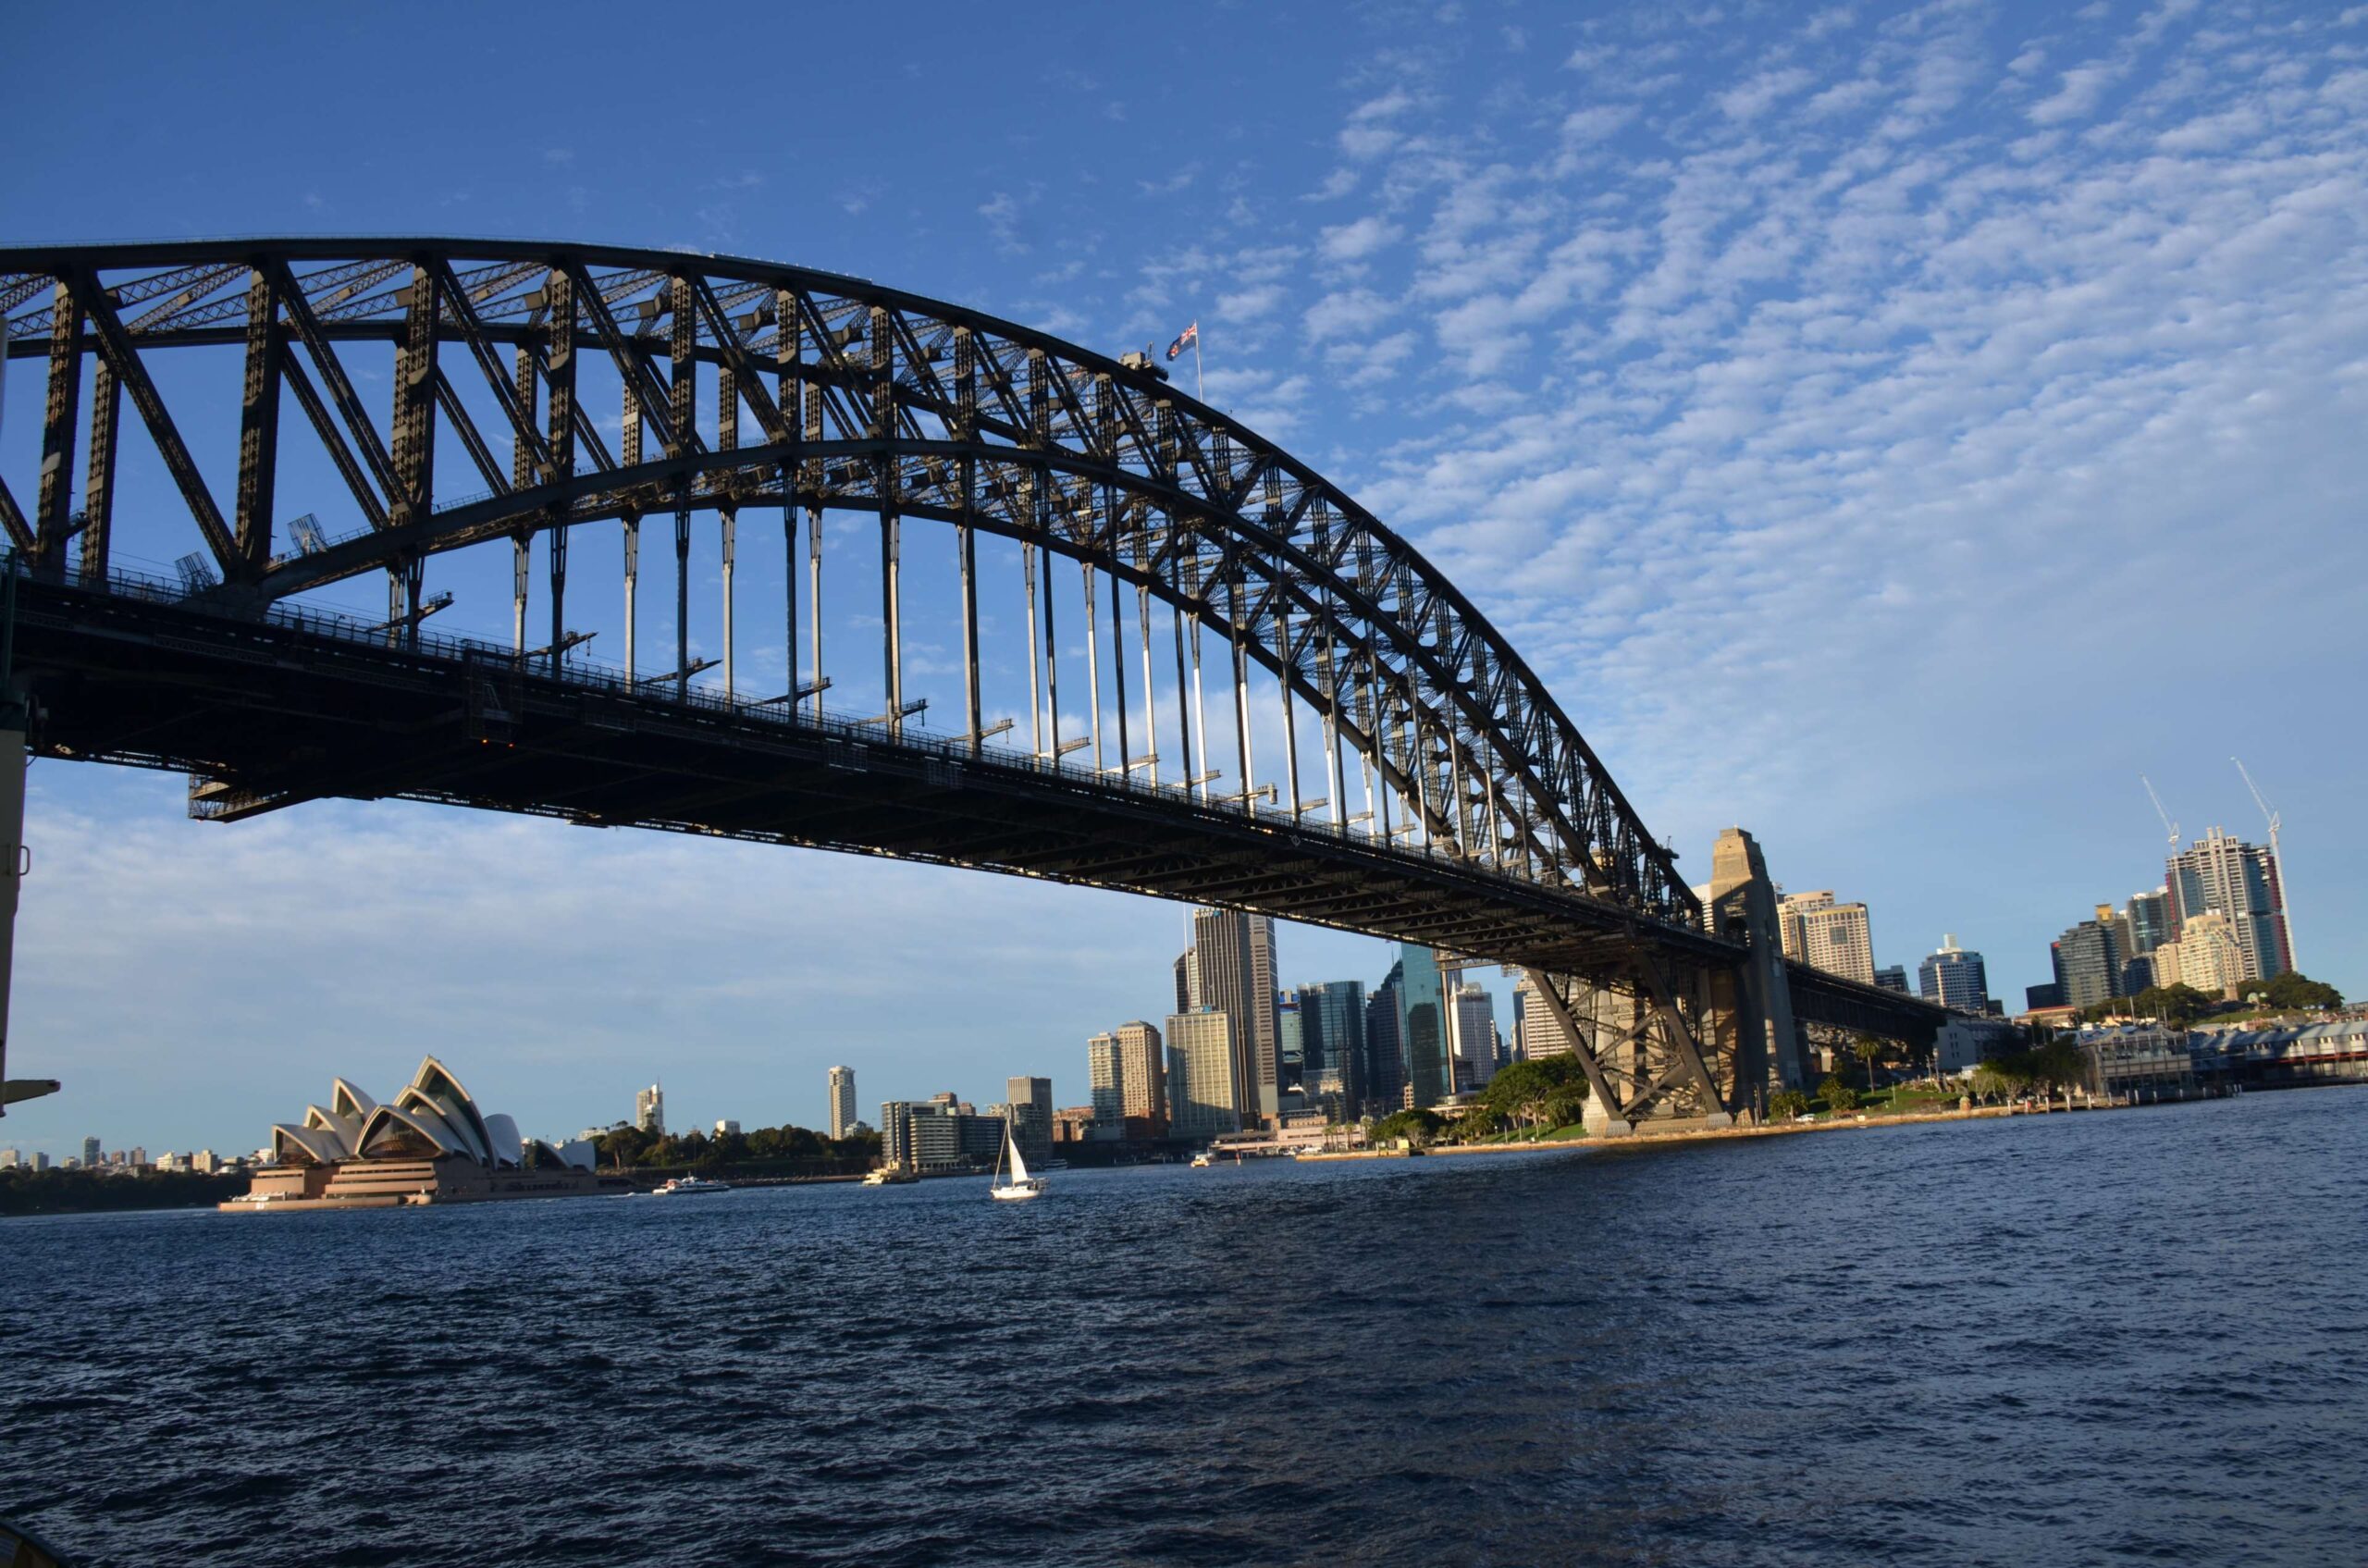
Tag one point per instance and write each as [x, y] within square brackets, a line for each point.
[2169, 826]
[2276, 860]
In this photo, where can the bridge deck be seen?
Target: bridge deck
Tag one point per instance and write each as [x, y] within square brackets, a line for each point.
[276, 712]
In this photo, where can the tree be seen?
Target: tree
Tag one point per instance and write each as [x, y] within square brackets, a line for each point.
[1786, 1104]
[1993, 1080]
[1418, 1126]
[1869, 1050]
[2296, 991]
[1838, 1095]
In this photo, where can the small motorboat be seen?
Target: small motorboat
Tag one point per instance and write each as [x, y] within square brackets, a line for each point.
[683, 1185]
[1020, 1185]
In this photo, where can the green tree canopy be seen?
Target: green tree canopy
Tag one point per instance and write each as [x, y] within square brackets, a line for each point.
[2296, 991]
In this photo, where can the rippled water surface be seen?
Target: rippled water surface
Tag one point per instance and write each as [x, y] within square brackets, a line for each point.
[2073, 1340]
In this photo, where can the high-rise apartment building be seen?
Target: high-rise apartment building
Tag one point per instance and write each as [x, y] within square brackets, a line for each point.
[1032, 1115]
[1826, 935]
[1538, 1035]
[2223, 875]
[1893, 977]
[11, 1158]
[2088, 960]
[1105, 1080]
[2207, 956]
[938, 1135]
[90, 1154]
[650, 1111]
[1143, 1077]
[1201, 1068]
[843, 1116]
[1955, 978]
[1332, 1039]
[1423, 1024]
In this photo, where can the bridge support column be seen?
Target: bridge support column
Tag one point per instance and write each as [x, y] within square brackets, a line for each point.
[1756, 1003]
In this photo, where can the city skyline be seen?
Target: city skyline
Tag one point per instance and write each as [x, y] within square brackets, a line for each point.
[1646, 440]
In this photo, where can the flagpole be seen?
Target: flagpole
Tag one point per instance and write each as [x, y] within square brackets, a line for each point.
[1197, 393]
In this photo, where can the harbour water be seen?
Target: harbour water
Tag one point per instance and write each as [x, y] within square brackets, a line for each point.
[2067, 1340]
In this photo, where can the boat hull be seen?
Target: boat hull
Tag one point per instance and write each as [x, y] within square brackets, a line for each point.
[1015, 1194]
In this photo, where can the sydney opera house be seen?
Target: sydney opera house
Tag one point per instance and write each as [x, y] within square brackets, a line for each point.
[430, 1145]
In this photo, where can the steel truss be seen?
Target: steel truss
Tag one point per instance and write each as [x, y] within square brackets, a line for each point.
[824, 393]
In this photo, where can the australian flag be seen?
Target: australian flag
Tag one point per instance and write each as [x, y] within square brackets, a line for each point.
[1184, 340]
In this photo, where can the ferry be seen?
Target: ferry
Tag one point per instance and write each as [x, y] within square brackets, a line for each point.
[688, 1184]
[1201, 1161]
[890, 1176]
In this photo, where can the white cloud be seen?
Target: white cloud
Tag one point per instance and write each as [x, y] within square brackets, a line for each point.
[1356, 241]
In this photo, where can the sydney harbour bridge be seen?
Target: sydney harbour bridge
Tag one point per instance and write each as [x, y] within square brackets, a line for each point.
[1080, 626]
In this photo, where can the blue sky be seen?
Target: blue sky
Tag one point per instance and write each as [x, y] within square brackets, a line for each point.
[1892, 429]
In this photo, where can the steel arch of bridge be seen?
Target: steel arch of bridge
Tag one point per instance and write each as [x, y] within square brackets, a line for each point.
[851, 397]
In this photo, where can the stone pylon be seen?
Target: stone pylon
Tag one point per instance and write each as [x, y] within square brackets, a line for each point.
[1754, 1007]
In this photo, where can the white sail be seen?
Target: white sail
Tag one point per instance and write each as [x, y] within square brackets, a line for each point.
[1018, 1165]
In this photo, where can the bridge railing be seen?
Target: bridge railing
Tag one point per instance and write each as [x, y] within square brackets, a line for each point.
[592, 675]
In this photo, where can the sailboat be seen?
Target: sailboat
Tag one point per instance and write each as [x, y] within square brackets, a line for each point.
[1022, 1184]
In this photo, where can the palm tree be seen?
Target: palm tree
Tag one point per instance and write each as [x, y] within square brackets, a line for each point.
[1869, 1050]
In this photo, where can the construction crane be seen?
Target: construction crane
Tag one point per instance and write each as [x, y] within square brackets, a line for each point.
[2276, 860]
[2169, 826]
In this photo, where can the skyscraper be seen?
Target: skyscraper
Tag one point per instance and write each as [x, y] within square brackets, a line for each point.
[1422, 1024]
[1826, 935]
[1385, 1052]
[1143, 1077]
[1476, 1032]
[2150, 920]
[90, 1154]
[2087, 959]
[1893, 977]
[1104, 1079]
[1186, 998]
[1332, 1038]
[843, 1116]
[1290, 1044]
[650, 1111]
[1226, 965]
[1954, 978]
[1202, 1064]
[1032, 1115]
[1266, 1016]
[2217, 873]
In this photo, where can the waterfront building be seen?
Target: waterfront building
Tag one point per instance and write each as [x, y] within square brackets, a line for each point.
[1961, 1042]
[1826, 935]
[1954, 978]
[843, 1116]
[2227, 876]
[938, 1135]
[1332, 1038]
[650, 1111]
[1893, 977]
[1105, 1079]
[1142, 1079]
[1423, 1024]
[1032, 1115]
[1221, 982]
[1474, 1018]
[430, 1145]
[2088, 960]
[1201, 1061]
